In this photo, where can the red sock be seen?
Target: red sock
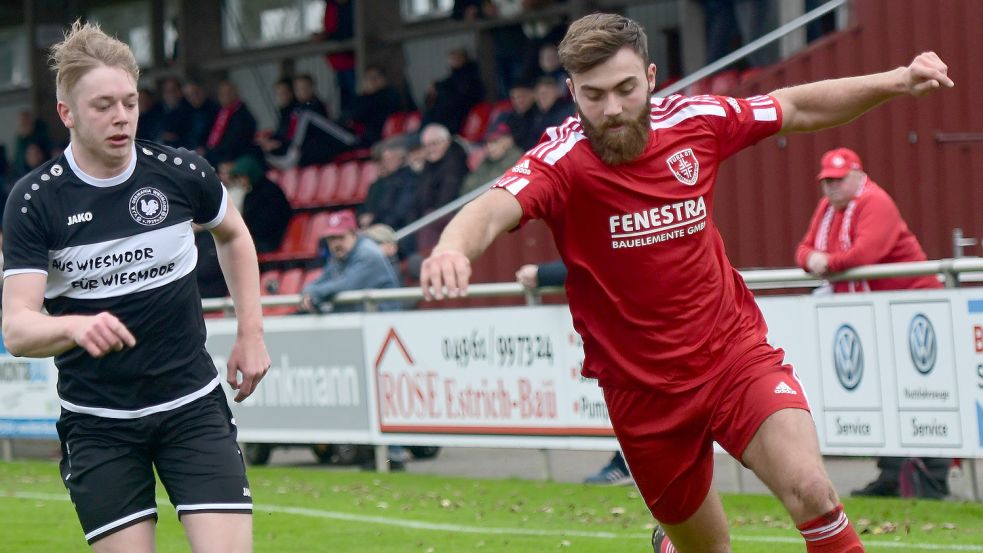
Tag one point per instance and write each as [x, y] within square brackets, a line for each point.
[831, 533]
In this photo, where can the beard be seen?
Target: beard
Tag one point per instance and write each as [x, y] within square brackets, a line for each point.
[618, 148]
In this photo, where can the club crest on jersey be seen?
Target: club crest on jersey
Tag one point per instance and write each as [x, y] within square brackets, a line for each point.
[684, 166]
[148, 206]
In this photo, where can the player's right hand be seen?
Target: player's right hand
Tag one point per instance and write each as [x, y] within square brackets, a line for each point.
[445, 270]
[102, 333]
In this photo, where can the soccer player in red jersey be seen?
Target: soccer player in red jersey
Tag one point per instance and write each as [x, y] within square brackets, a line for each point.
[670, 330]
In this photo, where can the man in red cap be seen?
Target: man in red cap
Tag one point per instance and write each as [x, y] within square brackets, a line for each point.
[856, 223]
[357, 263]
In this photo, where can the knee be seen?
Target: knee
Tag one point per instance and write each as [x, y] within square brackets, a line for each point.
[813, 492]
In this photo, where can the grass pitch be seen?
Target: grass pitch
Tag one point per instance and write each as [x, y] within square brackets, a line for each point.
[313, 510]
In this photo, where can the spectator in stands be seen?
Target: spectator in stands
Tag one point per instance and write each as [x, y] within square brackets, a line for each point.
[550, 66]
[264, 206]
[321, 140]
[306, 94]
[374, 105]
[208, 272]
[30, 130]
[176, 116]
[339, 25]
[521, 119]
[450, 99]
[232, 133]
[502, 154]
[856, 223]
[151, 115]
[551, 107]
[392, 196]
[730, 24]
[203, 111]
[441, 178]
[356, 263]
[35, 154]
[286, 104]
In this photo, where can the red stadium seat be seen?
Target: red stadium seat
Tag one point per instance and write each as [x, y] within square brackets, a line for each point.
[328, 185]
[367, 176]
[290, 248]
[395, 124]
[498, 108]
[274, 175]
[475, 123]
[314, 233]
[269, 282]
[476, 156]
[413, 120]
[289, 283]
[289, 180]
[308, 187]
[310, 276]
[347, 184]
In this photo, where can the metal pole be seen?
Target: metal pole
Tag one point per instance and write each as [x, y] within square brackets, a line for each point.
[969, 466]
[960, 241]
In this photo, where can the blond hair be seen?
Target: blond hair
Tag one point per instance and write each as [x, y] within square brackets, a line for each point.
[87, 47]
[593, 39]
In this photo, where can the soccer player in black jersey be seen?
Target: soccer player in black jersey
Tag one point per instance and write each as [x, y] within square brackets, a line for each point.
[102, 238]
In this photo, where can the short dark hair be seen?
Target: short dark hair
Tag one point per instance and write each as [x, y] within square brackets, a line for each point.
[593, 39]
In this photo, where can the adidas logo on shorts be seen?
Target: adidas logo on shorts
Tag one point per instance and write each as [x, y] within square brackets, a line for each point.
[784, 388]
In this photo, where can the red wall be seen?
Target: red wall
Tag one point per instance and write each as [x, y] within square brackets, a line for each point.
[767, 193]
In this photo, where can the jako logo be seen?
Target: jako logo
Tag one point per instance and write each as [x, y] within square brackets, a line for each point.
[79, 218]
[922, 344]
[848, 357]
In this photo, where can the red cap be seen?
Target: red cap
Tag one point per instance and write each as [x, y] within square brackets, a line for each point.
[838, 163]
[340, 223]
[498, 131]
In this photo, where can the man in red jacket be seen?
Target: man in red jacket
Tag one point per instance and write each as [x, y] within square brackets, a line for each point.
[857, 223]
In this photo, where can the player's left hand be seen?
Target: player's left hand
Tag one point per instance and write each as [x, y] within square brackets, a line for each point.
[926, 73]
[250, 359]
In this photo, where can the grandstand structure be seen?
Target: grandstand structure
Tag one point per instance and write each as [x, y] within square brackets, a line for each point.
[926, 158]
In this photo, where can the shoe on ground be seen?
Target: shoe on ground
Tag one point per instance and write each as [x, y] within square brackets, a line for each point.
[610, 475]
[877, 488]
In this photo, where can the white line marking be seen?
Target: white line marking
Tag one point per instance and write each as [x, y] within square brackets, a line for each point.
[422, 525]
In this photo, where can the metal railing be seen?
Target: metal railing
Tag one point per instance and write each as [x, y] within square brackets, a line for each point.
[951, 271]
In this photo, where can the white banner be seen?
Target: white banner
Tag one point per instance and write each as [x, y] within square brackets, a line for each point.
[29, 404]
[512, 371]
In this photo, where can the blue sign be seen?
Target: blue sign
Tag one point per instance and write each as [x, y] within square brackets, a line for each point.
[922, 344]
[979, 420]
[848, 357]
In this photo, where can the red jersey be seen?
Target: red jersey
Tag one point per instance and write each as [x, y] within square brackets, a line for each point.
[650, 288]
[867, 231]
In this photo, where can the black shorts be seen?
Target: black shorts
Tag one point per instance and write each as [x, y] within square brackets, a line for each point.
[108, 464]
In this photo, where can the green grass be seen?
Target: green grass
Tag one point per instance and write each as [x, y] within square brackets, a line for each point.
[313, 510]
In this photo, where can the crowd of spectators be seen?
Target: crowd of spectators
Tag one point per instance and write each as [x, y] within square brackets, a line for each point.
[417, 171]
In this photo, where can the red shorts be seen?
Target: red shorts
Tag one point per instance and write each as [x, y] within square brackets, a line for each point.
[667, 438]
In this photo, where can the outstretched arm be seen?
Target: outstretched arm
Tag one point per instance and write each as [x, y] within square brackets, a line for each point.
[468, 234]
[815, 106]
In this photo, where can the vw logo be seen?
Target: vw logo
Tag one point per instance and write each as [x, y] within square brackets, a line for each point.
[848, 357]
[922, 344]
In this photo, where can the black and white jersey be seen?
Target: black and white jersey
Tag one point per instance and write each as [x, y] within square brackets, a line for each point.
[123, 245]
